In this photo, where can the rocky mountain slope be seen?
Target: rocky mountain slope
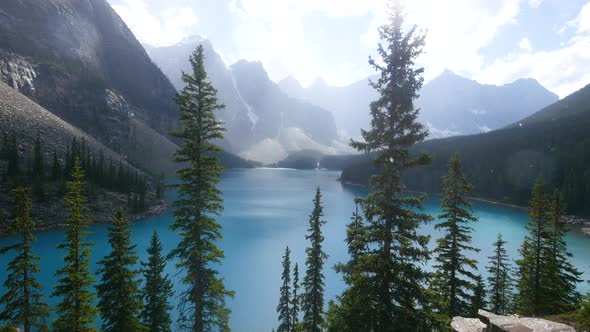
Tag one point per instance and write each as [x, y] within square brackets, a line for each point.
[23, 118]
[262, 122]
[450, 104]
[237, 116]
[78, 59]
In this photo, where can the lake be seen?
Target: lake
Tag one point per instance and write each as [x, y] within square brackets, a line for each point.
[268, 209]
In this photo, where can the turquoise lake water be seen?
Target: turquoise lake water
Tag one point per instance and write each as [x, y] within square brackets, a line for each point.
[268, 209]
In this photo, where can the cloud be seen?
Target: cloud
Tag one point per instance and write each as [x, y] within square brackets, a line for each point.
[168, 27]
[582, 22]
[525, 44]
[559, 69]
[456, 31]
[272, 32]
[458, 34]
[535, 3]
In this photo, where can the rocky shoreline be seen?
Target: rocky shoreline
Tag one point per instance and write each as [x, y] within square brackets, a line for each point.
[581, 224]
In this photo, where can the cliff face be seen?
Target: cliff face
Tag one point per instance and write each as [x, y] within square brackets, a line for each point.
[78, 59]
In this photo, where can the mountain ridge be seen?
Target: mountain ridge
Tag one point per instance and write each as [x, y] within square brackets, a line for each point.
[450, 104]
[263, 123]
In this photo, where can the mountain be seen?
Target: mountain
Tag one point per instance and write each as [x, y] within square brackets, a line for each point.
[502, 164]
[450, 104]
[237, 116]
[78, 59]
[25, 119]
[263, 123]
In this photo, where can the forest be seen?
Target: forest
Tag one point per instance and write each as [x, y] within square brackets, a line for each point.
[387, 285]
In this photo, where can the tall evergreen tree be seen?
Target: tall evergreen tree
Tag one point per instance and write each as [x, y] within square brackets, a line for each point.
[562, 295]
[4, 147]
[23, 301]
[478, 299]
[354, 309]
[583, 315]
[13, 157]
[532, 280]
[313, 282]
[76, 311]
[38, 162]
[295, 298]
[56, 171]
[155, 315]
[202, 305]
[499, 279]
[284, 306]
[454, 280]
[38, 170]
[397, 250]
[118, 291]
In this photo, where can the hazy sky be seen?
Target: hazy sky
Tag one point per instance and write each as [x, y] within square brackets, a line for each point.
[491, 41]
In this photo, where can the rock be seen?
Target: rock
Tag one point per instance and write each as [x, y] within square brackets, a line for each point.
[461, 324]
[490, 322]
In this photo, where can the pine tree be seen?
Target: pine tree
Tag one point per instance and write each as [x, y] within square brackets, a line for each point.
[22, 302]
[313, 282]
[13, 158]
[76, 311]
[583, 315]
[202, 306]
[38, 162]
[284, 308]
[478, 299]
[562, 295]
[38, 170]
[532, 277]
[56, 171]
[454, 280]
[499, 279]
[295, 298]
[4, 148]
[118, 292]
[397, 251]
[160, 187]
[155, 315]
[353, 310]
[4, 225]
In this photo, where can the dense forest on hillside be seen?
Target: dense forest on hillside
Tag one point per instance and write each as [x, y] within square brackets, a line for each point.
[46, 174]
[503, 164]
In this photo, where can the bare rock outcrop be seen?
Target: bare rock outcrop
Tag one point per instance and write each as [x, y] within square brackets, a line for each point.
[489, 322]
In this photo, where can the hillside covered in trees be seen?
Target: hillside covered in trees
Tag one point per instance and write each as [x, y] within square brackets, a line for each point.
[503, 163]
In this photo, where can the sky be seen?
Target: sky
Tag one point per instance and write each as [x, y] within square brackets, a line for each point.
[490, 41]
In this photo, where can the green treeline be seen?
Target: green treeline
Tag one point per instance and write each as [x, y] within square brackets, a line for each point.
[122, 304]
[47, 176]
[387, 284]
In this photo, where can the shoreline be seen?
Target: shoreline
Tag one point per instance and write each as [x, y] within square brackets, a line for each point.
[581, 229]
[472, 198]
[155, 210]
